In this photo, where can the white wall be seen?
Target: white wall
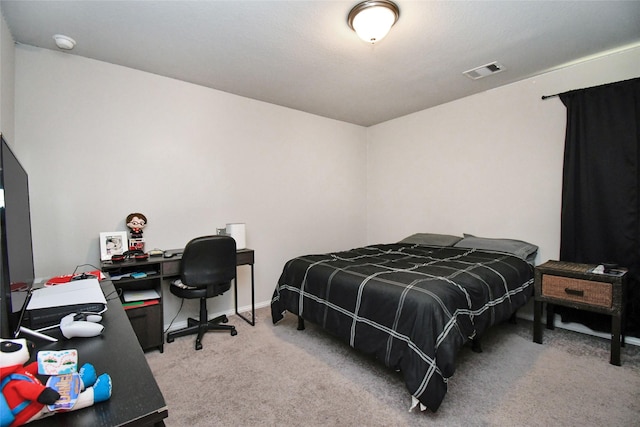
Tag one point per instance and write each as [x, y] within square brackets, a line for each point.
[489, 164]
[101, 141]
[7, 82]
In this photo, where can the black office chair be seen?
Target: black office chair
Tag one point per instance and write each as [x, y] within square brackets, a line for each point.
[208, 266]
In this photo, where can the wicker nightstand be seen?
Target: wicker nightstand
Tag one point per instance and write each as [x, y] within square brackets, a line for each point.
[575, 285]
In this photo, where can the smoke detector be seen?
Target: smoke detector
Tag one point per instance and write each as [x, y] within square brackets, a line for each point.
[64, 42]
[484, 71]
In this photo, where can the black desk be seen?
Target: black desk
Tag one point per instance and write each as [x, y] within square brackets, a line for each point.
[136, 398]
[148, 321]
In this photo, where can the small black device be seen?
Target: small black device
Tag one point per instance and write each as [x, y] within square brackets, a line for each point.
[83, 276]
[118, 258]
[172, 252]
[137, 254]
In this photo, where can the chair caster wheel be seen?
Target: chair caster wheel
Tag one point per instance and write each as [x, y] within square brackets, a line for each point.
[169, 339]
[224, 320]
[198, 345]
[234, 332]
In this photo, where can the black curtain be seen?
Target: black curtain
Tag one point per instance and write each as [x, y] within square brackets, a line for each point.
[600, 220]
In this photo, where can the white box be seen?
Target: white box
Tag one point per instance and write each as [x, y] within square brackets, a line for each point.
[238, 232]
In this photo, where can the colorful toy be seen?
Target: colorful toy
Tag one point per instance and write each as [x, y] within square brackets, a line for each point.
[24, 398]
[136, 222]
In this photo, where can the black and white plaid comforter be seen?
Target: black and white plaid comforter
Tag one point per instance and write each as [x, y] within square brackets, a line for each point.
[411, 306]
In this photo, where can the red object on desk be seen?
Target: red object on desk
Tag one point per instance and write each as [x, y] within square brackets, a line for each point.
[58, 280]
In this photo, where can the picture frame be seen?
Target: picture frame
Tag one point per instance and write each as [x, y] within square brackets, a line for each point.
[113, 243]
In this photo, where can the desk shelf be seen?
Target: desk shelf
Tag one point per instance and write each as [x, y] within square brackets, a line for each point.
[147, 320]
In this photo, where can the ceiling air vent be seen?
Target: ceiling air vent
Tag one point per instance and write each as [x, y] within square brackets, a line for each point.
[484, 71]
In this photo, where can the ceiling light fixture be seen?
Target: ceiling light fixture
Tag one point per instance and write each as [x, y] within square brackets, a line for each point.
[64, 42]
[372, 20]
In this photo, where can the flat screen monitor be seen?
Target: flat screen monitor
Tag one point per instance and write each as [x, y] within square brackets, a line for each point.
[15, 240]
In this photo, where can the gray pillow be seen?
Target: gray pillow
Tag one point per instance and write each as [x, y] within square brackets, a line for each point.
[430, 239]
[519, 248]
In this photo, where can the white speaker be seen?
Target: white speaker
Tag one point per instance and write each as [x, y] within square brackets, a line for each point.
[238, 232]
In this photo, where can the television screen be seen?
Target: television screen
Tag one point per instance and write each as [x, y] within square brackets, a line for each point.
[15, 243]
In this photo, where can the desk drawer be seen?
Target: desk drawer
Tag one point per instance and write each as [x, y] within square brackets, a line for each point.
[146, 322]
[583, 291]
[244, 256]
[171, 268]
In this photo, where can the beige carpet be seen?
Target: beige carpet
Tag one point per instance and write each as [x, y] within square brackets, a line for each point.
[276, 375]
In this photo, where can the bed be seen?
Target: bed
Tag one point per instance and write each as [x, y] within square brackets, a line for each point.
[412, 304]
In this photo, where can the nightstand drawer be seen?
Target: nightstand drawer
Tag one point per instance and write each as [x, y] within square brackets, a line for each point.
[584, 291]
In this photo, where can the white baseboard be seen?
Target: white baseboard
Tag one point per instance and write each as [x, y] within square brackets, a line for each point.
[525, 313]
[244, 309]
[578, 327]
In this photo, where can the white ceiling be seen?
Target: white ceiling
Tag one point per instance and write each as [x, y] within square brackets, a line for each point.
[303, 55]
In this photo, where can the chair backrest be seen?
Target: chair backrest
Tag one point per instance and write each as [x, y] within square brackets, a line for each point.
[208, 260]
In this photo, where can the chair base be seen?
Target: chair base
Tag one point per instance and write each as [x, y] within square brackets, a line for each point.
[195, 327]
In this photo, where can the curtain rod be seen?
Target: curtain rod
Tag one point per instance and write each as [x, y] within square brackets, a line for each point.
[549, 96]
[574, 90]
